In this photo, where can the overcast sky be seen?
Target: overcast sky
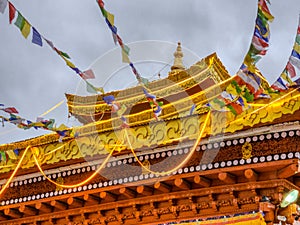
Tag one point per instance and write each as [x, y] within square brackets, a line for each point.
[34, 78]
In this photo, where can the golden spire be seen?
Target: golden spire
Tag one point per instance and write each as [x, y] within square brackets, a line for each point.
[178, 65]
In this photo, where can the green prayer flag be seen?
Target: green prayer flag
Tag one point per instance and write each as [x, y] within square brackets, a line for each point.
[126, 49]
[20, 22]
[298, 39]
[104, 12]
[65, 55]
[92, 89]
[3, 156]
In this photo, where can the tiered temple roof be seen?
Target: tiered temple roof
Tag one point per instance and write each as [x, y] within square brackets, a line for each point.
[194, 166]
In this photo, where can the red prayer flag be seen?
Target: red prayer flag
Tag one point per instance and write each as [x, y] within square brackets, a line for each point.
[120, 40]
[291, 70]
[10, 110]
[264, 6]
[12, 12]
[88, 74]
[101, 3]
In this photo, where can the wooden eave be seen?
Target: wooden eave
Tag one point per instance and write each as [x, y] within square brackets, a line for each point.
[174, 198]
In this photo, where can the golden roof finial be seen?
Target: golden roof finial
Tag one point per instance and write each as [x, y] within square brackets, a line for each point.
[178, 65]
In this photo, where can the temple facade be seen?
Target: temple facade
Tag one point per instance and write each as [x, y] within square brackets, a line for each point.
[191, 166]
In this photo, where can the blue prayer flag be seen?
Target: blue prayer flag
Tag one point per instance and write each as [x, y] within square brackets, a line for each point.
[36, 37]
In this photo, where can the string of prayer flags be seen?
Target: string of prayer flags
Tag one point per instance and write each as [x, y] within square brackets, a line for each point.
[248, 75]
[155, 105]
[225, 102]
[116, 108]
[25, 27]
[40, 123]
[248, 84]
[289, 75]
[109, 19]
[261, 36]
[3, 4]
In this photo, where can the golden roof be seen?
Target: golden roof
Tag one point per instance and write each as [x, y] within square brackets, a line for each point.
[176, 125]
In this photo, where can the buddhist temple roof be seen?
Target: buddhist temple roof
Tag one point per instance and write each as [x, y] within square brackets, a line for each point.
[106, 164]
[195, 85]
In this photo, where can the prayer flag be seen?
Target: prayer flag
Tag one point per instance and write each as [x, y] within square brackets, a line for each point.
[26, 29]
[92, 89]
[296, 48]
[192, 109]
[119, 39]
[88, 74]
[291, 70]
[2, 156]
[15, 119]
[235, 108]
[20, 21]
[3, 4]
[109, 99]
[264, 8]
[10, 110]
[12, 12]
[157, 110]
[11, 154]
[298, 38]
[286, 77]
[69, 63]
[124, 123]
[50, 43]
[115, 38]
[72, 66]
[104, 12]
[243, 78]
[16, 151]
[65, 55]
[36, 37]
[111, 27]
[126, 49]
[101, 3]
[295, 54]
[258, 42]
[279, 85]
[111, 18]
[125, 58]
[295, 61]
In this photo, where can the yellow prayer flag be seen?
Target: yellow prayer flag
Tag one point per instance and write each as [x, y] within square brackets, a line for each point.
[286, 77]
[111, 18]
[232, 89]
[26, 29]
[62, 127]
[11, 154]
[69, 63]
[297, 47]
[125, 58]
[100, 89]
[122, 110]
